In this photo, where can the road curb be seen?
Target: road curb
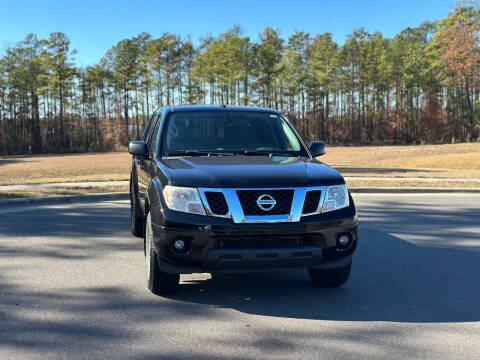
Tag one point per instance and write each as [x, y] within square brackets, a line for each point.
[411, 190]
[62, 199]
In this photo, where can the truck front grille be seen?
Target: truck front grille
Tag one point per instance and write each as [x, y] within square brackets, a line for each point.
[256, 205]
[248, 200]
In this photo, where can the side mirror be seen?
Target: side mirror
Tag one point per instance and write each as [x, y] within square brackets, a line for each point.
[138, 148]
[318, 148]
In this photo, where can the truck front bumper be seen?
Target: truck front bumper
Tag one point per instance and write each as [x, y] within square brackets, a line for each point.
[226, 247]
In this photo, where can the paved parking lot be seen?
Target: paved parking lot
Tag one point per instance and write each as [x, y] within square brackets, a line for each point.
[72, 285]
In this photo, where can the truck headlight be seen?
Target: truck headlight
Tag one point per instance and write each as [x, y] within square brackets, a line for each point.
[183, 199]
[336, 197]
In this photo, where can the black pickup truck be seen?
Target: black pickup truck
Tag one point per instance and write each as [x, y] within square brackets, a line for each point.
[234, 189]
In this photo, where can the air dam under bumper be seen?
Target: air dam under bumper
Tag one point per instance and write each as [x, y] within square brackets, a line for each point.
[262, 259]
[254, 247]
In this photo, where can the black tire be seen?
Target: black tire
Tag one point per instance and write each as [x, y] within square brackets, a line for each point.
[330, 277]
[158, 282]
[137, 222]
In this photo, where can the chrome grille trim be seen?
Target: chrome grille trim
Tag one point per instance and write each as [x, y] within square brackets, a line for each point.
[235, 210]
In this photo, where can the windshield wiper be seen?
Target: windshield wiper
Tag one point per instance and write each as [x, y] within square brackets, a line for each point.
[199, 153]
[220, 153]
[262, 153]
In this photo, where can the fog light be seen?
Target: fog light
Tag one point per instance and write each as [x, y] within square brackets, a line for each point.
[179, 245]
[344, 241]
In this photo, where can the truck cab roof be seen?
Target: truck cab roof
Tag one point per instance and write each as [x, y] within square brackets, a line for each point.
[178, 108]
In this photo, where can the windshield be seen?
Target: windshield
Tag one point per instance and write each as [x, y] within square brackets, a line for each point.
[229, 132]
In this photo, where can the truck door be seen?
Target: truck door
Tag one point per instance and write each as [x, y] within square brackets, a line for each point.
[145, 166]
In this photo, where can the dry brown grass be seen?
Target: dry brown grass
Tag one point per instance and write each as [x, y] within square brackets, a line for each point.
[60, 191]
[468, 161]
[352, 183]
[428, 161]
[391, 155]
[64, 168]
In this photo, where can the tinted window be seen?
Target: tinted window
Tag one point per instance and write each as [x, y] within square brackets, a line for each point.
[230, 131]
[152, 143]
[147, 127]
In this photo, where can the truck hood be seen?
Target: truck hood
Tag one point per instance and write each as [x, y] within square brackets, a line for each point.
[249, 171]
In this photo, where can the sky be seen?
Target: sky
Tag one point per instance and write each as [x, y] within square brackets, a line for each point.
[94, 26]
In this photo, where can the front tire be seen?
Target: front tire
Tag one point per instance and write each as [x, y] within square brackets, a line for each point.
[136, 221]
[158, 282]
[330, 277]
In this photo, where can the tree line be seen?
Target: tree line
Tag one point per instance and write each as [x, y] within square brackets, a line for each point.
[420, 86]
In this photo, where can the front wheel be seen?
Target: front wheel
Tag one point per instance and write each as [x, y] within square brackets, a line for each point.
[330, 277]
[158, 282]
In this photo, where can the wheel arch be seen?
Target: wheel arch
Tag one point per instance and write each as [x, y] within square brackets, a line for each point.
[153, 201]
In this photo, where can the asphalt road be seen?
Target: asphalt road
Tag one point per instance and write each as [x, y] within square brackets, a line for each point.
[72, 285]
